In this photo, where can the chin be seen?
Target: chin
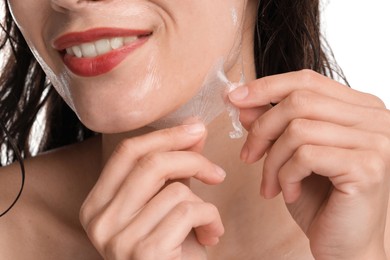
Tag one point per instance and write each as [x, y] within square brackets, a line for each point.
[117, 122]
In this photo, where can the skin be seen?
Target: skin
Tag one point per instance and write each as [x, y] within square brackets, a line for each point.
[131, 100]
[147, 194]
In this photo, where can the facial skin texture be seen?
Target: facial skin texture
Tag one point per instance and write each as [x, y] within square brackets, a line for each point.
[153, 80]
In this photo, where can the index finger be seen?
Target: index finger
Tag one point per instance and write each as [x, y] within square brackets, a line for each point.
[129, 151]
[275, 88]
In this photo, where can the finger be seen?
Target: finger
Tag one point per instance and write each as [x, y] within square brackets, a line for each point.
[307, 105]
[126, 156]
[176, 226]
[174, 229]
[130, 150]
[273, 89]
[249, 115]
[303, 132]
[363, 173]
[145, 221]
[150, 175]
[160, 205]
[197, 147]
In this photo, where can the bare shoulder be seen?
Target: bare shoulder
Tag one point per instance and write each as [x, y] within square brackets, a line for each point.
[66, 169]
[46, 214]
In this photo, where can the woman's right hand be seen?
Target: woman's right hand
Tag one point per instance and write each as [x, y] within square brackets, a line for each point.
[138, 209]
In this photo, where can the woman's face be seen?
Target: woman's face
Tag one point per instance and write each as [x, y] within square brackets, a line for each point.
[122, 64]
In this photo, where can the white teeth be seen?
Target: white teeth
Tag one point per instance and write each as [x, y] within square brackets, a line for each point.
[88, 50]
[69, 51]
[103, 46]
[116, 43]
[128, 40]
[100, 47]
[77, 51]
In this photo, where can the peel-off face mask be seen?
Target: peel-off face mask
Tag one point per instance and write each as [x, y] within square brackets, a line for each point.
[208, 103]
[212, 98]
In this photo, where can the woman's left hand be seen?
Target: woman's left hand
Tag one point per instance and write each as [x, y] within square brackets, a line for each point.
[328, 152]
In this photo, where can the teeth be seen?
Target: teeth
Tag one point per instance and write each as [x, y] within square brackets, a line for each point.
[77, 51]
[70, 51]
[103, 46]
[116, 43]
[100, 47]
[128, 40]
[88, 50]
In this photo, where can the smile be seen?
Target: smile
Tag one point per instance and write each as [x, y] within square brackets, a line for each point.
[98, 51]
[100, 47]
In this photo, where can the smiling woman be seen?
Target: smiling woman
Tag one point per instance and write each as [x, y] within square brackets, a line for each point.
[81, 81]
[104, 73]
[98, 51]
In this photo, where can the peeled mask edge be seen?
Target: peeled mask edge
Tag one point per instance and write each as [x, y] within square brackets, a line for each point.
[211, 100]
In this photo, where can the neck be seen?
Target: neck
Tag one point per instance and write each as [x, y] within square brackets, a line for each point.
[252, 224]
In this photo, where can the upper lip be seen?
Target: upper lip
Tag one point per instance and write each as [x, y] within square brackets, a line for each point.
[76, 38]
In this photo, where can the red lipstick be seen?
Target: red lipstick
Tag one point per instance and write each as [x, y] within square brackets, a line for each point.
[95, 66]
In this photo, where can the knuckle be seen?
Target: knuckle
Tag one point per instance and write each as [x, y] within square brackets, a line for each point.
[179, 190]
[114, 248]
[297, 128]
[383, 144]
[183, 209]
[372, 169]
[375, 165]
[150, 161]
[374, 101]
[383, 115]
[299, 100]
[213, 210]
[144, 249]
[84, 215]
[96, 232]
[151, 248]
[307, 77]
[303, 154]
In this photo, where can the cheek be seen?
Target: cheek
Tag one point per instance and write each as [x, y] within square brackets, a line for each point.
[203, 39]
[129, 97]
[33, 29]
[197, 58]
[173, 72]
[31, 26]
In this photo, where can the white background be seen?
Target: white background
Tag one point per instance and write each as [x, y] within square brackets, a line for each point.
[359, 34]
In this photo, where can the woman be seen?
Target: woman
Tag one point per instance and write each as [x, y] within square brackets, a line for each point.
[124, 65]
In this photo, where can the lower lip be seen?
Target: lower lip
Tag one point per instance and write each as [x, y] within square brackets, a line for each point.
[92, 67]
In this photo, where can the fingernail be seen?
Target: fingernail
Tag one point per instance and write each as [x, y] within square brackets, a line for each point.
[195, 129]
[220, 171]
[239, 94]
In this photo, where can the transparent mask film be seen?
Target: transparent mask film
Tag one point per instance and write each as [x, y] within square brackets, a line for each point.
[212, 98]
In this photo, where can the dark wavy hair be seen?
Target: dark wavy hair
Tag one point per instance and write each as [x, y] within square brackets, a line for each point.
[24, 92]
[287, 38]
